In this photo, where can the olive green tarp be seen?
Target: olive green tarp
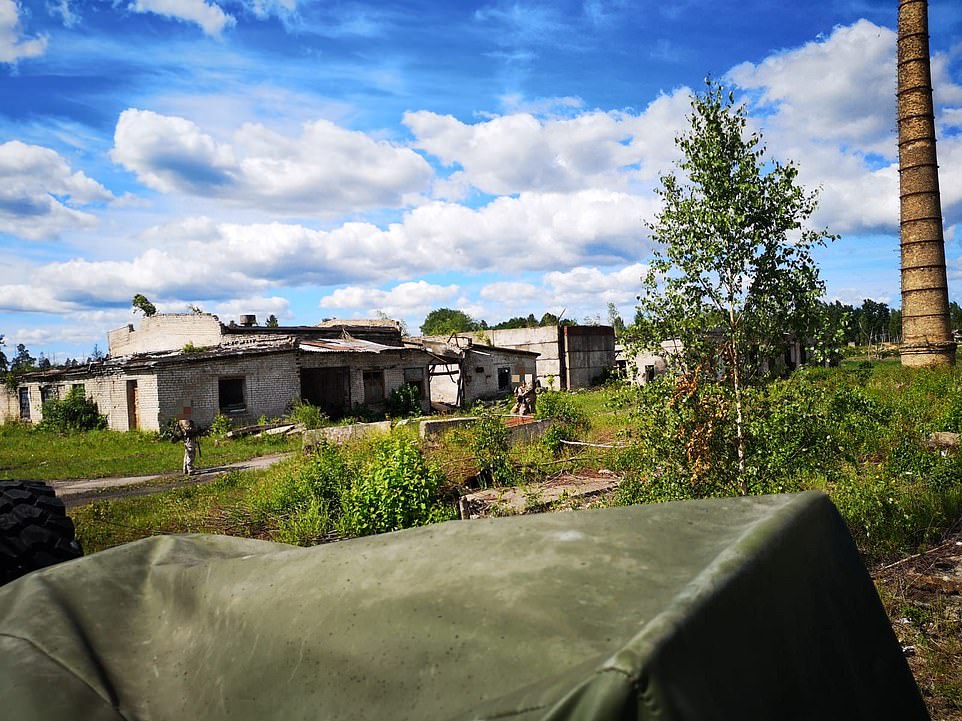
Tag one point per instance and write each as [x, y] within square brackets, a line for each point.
[752, 608]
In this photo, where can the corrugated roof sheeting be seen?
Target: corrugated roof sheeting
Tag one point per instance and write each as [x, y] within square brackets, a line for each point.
[344, 345]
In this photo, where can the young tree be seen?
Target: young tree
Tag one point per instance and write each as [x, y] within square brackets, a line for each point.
[272, 321]
[615, 320]
[444, 321]
[23, 362]
[140, 302]
[733, 270]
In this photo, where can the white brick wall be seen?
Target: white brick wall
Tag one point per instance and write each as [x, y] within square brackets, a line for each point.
[484, 385]
[165, 331]
[191, 388]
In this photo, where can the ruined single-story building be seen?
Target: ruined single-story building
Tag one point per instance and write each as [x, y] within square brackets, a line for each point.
[193, 366]
[465, 371]
[569, 356]
[642, 367]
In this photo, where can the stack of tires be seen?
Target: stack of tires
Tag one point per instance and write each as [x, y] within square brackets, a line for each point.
[34, 529]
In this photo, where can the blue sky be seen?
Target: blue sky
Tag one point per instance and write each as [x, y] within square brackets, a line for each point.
[318, 159]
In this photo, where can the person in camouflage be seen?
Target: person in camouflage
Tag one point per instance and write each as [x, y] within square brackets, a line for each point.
[189, 431]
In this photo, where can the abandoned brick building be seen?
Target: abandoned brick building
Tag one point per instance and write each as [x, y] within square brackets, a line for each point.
[193, 366]
[569, 356]
[466, 371]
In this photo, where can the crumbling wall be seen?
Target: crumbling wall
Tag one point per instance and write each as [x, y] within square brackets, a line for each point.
[546, 341]
[590, 353]
[191, 390]
[9, 405]
[165, 331]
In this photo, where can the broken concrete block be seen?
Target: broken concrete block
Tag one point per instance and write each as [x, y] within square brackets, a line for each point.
[943, 441]
[430, 430]
[342, 434]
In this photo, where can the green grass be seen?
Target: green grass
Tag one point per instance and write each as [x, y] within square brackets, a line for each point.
[211, 508]
[32, 454]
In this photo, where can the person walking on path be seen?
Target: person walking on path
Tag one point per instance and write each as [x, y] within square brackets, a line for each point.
[191, 435]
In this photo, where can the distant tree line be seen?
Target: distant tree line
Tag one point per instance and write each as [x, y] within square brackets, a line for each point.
[24, 362]
[445, 321]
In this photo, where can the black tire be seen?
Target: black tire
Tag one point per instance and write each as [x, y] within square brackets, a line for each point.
[34, 529]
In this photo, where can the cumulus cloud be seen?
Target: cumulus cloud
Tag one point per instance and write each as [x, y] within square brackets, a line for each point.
[12, 45]
[326, 169]
[199, 258]
[583, 285]
[830, 105]
[402, 301]
[521, 152]
[510, 291]
[40, 195]
[209, 16]
[261, 306]
[840, 89]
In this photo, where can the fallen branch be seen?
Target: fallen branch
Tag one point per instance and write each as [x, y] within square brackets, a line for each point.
[917, 555]
[594, 445]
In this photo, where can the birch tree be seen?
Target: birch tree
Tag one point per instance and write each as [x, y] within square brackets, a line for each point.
[732, 272]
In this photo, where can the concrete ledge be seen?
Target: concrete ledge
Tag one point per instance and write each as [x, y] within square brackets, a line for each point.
[342, 434]
[530, 431]
[430, 430]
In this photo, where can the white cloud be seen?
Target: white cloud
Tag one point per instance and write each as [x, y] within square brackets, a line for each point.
[40, 193]
[12, 45]
[326, 169]
[208, 16]
[260, 306]
[66, 13]
[199, 258]
[830, 106]
[402, 301]
[521, 152]
[265, 8]
[841, 88]
[590, 286]
[510, 292]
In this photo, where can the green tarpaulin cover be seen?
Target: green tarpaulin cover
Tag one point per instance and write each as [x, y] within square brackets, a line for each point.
[750, 608]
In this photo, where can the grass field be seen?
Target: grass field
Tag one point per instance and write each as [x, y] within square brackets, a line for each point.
[898, 498]
[31, 454]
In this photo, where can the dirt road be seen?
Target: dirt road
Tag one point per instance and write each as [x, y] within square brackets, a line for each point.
[79, 492]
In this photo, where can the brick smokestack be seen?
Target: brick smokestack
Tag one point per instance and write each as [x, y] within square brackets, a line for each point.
[926, 331]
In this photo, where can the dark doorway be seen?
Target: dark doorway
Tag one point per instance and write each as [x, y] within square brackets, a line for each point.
[327, 388]
[24, 403]
[133, 415]
[230, 395]
[373, 387]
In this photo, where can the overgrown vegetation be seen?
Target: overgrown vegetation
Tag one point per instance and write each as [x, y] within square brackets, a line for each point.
[568, 420]
[74, 413]
[404, 401]
[382, 485]
[858, 433]
[310, 416]
[488, 441]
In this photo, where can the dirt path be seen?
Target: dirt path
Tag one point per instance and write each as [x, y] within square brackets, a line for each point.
[79, 492]
[923, 597]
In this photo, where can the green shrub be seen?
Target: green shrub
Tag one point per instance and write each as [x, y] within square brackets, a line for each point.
[168, 430]
[888, 516]
[301, 499]
[489, 442]
[308, 415]
[567, 418]
[404, 401]
[394, 489]
[75, 412]
[221, 426]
